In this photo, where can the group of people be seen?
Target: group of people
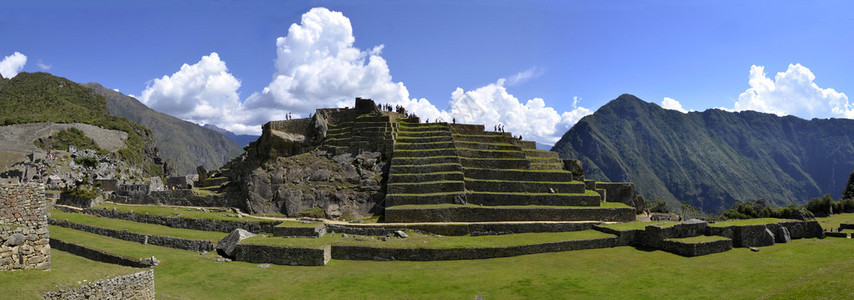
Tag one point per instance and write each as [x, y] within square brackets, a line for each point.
[288, 116]
[397, 108]
[498, 128]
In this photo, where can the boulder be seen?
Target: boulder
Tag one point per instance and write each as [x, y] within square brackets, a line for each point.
[16, 239]
[783, 235]
[226, 245]
[574, 167]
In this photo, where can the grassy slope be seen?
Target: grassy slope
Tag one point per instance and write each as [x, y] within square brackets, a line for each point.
[185, 144]
[804, 268]
[65, 269]
[712, 158]
[135, 227]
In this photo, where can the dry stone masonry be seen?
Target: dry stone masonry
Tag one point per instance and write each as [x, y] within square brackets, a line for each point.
[136, 286]
[24, 238]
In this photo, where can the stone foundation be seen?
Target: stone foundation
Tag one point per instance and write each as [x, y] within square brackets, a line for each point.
[24, 234]
[281, 255]
[97, 255]
[137, 286]
[696, 249]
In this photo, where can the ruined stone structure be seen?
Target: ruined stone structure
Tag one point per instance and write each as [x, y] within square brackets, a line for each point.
[24, 238]
[136, 286]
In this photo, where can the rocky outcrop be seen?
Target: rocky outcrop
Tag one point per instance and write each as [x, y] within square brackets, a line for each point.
[226, 245]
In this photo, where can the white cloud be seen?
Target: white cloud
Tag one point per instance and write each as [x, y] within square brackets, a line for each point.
[523, 76]
[492, 104]
[203, 93]
[43, 66]
[670, 103]
[317, 66]
[12, 64]
[792, 92]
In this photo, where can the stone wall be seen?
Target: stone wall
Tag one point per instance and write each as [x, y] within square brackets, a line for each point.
[487, 214]
[137, 286]
[768, 234]
[157, 240]
[473, 229]
[622, 192]
[24, 233]
[175, 197]
[98, 255]
[187, 223]
[415, 254]
[82, 202]
[696, 249]
[316, 231]
[281, 255]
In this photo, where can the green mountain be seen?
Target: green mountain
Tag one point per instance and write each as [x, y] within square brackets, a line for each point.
[42, 97]
[714, 158]
[184, 145]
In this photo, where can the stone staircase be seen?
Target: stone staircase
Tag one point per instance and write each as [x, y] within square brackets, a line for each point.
[425, 168]
[365, 133]
[456, 173]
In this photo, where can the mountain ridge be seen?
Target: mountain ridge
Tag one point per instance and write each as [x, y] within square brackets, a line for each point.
[185, 145]
[714, 158]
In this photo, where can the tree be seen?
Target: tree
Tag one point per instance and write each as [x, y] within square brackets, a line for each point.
[848, 192]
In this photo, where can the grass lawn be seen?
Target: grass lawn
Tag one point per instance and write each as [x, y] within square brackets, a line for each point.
[169, 211]
[417, 240]
[805, 268]
[143, 228]
[66, 269]
[761, 221]
[834, 220]
[638, 225]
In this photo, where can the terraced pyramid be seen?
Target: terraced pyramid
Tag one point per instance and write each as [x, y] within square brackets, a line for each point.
[460, 173]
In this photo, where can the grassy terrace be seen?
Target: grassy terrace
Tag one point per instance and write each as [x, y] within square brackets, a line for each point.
[698, 239]
[586, 192]
[834, 220]
[637, 225]
[525, 180]
[437, 206]
[762, 221]
[804, 268]
[66, 269]
[168, 211]
[418, 240]
[143, 228]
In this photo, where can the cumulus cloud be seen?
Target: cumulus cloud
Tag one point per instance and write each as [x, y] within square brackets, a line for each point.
[792, 92]
[12, 64]
[492, 104]
[672, 104]
[204, 92]
[317, 66]
[43, 66]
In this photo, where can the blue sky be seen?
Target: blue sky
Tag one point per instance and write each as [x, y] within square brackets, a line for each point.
[523, 64]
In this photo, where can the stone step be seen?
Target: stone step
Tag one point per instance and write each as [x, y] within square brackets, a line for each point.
[541, 154]
[426, 187]
[495, 163]
[423, 199]
[546, 166]
[426, 152]
[478, 153]
[505, 199]
[432, 139]
[426, 160]
[402, 133]
[524, 186]
[423, 146]
[372, 119]
[423, 177]
[527, 144]
[488, 146]
[474, 213]
[526, 175]
[545, 160]
[486, 138]
[422, 127]
[433, 168]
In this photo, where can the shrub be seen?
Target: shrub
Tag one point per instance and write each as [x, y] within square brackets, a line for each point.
[823, 206]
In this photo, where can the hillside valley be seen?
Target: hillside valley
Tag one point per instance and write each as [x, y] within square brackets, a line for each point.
[714, 158]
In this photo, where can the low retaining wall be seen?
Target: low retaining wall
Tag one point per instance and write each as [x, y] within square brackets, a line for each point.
[846, 226]
[494, 214]
[375, 253]
[768, 234]
[187, 223]
[135, 286]
[281, 255]
[157, 240]
[696, 249]
[175, 197]
[473, 229]
[316, 231]
[97, 255]
[837, 234]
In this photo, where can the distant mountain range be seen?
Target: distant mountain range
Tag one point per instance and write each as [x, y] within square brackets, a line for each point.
[184, 145]
[714, 158]
[240, 139]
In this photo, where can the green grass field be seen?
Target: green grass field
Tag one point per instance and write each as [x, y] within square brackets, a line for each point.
[806, 268]
[135, 227]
